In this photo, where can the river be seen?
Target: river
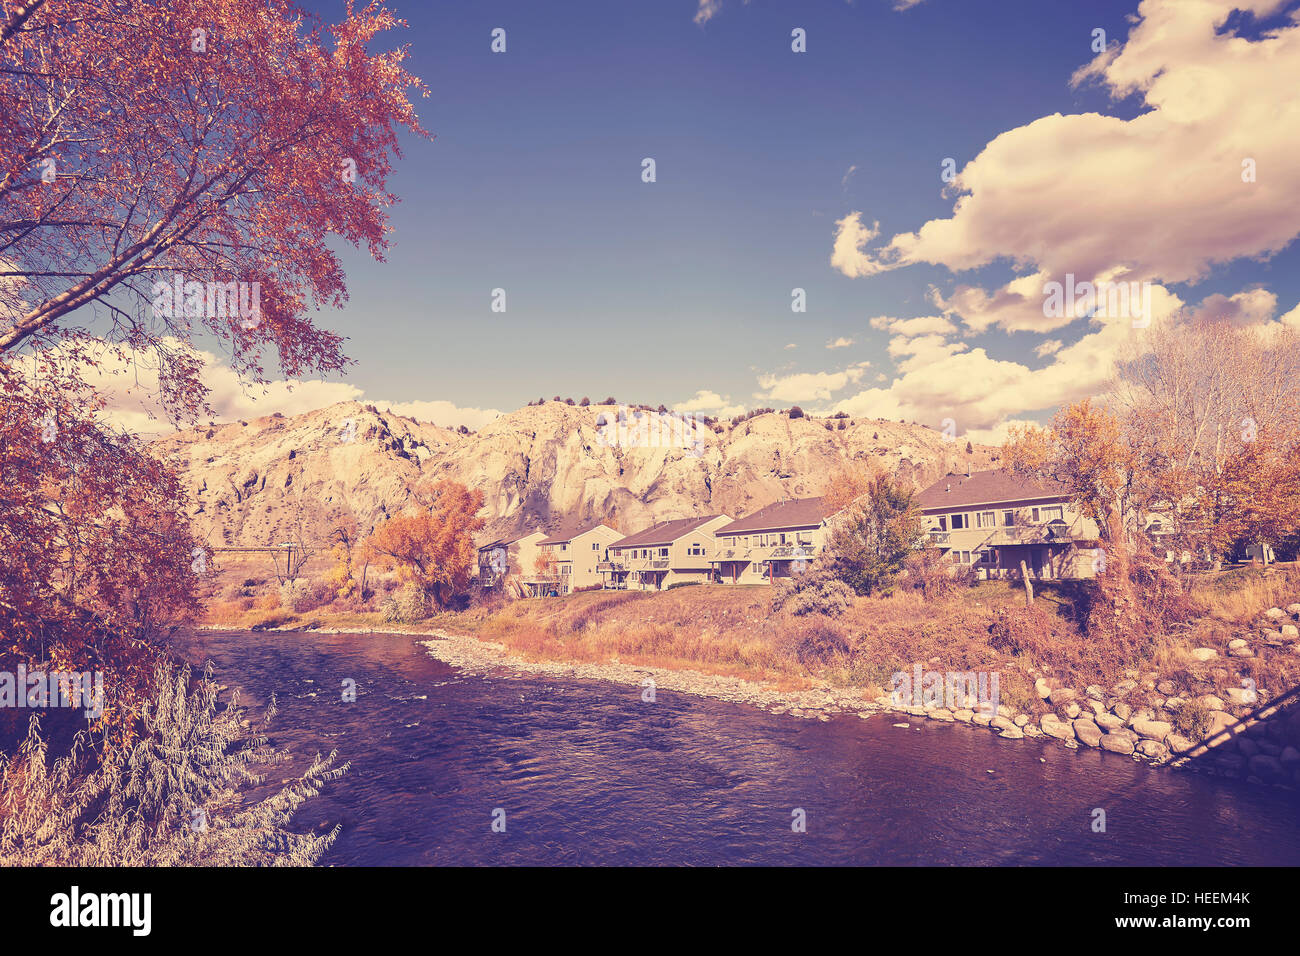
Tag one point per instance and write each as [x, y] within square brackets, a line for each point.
[587, 773]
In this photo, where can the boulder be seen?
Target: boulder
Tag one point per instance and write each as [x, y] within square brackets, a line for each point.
[1012, 733]
[1166, 687]
[1071, 710]
[981, 720]
[1179, 744]
[1211, 702]
[1020, 720]
[1087, 732]
[1293, 610]
[1109, 722]
[1094, 692]
[1240, 652]
[941, 713]
[1203, 654]
[1240, 696]
[1003, 723]
[1265, 767]
[1290, 758]
[1290, 632]
[1053, 726]
[1116, 744]
[963, 716]
[1152, 729]
[1042, 688]
[1122, 710]
[1221, 721]
[1238, 642]
[1125, 687]
[1152, 748]
[1061, 696]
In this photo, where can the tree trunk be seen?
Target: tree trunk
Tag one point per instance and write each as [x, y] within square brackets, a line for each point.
[1029, 585]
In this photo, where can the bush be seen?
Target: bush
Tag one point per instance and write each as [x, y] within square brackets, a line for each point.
[935, 575]
[1193, 720]
[407, 606]
[818, 643]
[815, 591]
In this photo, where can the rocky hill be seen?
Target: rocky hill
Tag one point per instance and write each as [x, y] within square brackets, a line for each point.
[275, 479]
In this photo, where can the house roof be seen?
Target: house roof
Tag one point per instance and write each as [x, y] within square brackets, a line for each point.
[506, 542]
[569, 532]
[665, 532]
[986, 488]
[782, 516]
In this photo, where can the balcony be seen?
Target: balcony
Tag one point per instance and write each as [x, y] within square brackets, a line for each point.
[938, 537]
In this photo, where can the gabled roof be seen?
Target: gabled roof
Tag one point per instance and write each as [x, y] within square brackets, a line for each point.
[987, 488]
[782, 516]
[665, 532]
[506, 542]
[569, 532]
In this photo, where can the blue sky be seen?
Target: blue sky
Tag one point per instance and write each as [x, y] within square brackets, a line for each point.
[659, 292]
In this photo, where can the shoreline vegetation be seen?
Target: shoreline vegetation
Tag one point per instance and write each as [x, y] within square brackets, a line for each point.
[1155, 700]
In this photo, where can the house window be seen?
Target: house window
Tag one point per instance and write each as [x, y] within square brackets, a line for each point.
[663, 552]
[1009, 519]
[564, 547]
[805, 537]
[985, 519]
[958, 522]
[1052, 513]
[595, 546]
[943, 522]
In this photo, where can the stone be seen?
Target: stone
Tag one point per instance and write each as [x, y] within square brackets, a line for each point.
[1116, 744]
[941, 713]
[1166, 687]
[1098, 707]
[1087, 732]
[1203, 654]
[1030, 730]
[1053, 726]
[1094, 692]
[1238, 642]
[1062, 695]
[1289, 758]
[1290, 632]
[1275, 614]
[1042, 688]
[963, 716]
[1293, 610]
[1247, 747]
[1211, 702]
[1012, 733]
[1152, 729]
[1265, 767]
[1003, 723]
[1152, 748]
[1109, 722]
[1240, 697]
[981, 720]
[1177, 743]
[1221, 721]
[1021, 719]
[1240, 652]
[1071, 710]
[1123, 711]
[1125, 687]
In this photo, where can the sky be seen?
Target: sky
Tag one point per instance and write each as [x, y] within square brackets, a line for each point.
[821, 170]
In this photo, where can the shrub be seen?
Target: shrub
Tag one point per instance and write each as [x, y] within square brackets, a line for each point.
[179, 797]
[815, 591]
[796, 412]
[1193, 719]
[817, 643]
[934, 575]
[407, 606]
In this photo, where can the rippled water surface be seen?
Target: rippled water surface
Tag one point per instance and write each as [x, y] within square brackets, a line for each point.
[588, 773]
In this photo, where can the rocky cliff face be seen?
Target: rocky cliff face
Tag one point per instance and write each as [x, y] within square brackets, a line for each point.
[276, 479]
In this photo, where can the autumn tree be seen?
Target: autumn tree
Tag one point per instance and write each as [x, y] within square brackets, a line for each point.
[432, 545]
[873, 535]
[162, 166]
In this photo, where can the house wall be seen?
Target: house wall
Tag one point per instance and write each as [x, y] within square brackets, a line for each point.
[812, 539]
[576, 560]
[1029, 521]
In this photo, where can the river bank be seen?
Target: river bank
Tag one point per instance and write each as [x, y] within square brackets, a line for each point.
[1259, 745]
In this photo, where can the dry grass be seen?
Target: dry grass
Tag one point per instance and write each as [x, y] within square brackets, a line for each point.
[1240, 595]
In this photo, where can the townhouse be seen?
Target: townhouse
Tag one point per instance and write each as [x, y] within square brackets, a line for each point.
[566, 561]
[994, 520]
[505, 557]
[668, 553]
[774, 542]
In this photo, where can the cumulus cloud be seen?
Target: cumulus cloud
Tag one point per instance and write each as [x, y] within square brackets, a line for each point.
[809, 386]
[1160, 197]
[710, 403]
[130, 388]
[842, 342]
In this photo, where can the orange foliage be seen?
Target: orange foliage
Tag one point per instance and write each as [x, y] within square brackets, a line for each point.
[434, 546]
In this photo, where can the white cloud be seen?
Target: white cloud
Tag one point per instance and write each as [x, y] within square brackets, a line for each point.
[1158, 197]
[711, 403]
[809, 386]
[1050, 347]
[842, 342]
